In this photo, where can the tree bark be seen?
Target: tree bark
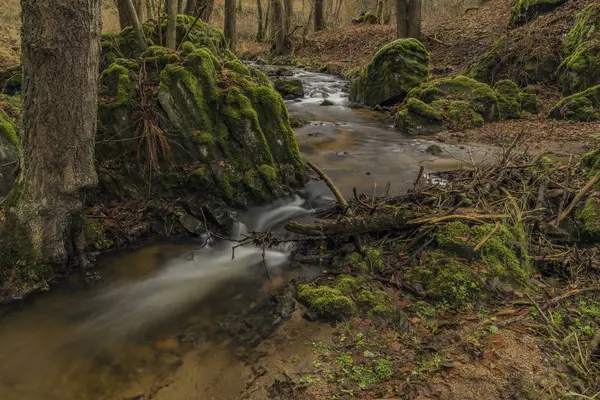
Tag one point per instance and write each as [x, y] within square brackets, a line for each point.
[172, 24]
[401, 18]
[278, 24]
[137, 27]
[319, 17]
[259, 34]
[268, 18]
[125, 17]
[149, 9]
[240, 7]
[414, 19]
[181, 6]
[288, 6]
[380, 12]
[60, 55]
[229, 24]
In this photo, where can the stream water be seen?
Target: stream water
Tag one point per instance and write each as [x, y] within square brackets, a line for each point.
[183, 303]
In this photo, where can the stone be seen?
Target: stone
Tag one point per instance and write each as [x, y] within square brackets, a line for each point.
[523, 11]
[396, 68]
[327, 103]
[583, 106]
[434, 150]
[289, 87]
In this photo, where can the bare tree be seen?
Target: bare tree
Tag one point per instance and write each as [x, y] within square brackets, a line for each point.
[414, 19]
[181, 6]
[137, 26]
[401, 18]
[288, 6]
[125, 17]
[380, 12]
[319, 17]
[172, 24]
[278, 24]
[60, 98]
[259, 34]
[240, 7]
[229, 24]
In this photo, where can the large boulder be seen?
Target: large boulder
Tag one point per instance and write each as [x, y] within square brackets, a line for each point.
[396, 68]
[523, 11]
[461, 102]
[583, 106]
[289, 88]
[194, 127]
[580, 68]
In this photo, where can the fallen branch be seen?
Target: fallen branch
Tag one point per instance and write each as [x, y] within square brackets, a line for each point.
[352, 225]
[479, 218]
[578, 197]
[336, 192]
[487, 237]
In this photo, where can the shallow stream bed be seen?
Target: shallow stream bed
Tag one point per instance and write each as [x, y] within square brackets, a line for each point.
[175, 320]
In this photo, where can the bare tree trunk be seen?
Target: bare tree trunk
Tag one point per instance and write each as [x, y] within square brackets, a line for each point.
[172, 24]
[307, 26]
[278, 23]
[181, 6]
[207, 11]
[288, 6]
[380, 12]
[319, 20]
[240, 7]
[60, 55]
[401, 18]
[149, 10]
[229, 24]
[259, 34]
[338, 11]
[137, 27]
[268, 22]
[414, 19]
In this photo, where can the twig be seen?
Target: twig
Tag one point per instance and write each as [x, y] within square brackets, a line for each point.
[475, 218]
[487, 237]
[542, 313]
[418, 181]
[578, 197]
[187, 32]
[565, 192]
[509, 150]
[336, 192]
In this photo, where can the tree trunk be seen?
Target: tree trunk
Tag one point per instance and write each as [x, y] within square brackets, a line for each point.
[380, 12]
[229, 24]
[240, 7]
[125, 18]
[267, 20]
[319, 21]
[191, 7]
[60, 56]
[288, 6]
[137, 27]
[307, 26]
[414, 19]
[181, 6]
[149, 9]
[278, 24]
[259, 34]
[401, 18]
[172, 24]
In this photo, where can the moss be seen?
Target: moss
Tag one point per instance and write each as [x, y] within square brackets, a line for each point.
[591, 161]
[460, 114]
[355, 262]
[447, 279]
[204, 138]
[289, 87]
[397, 68]
[586, 27]
[529, 101]
[434, 150]
[509, 103]
[583, 106]
[95, 235]
[347, 284]
[523, 11]
[118, 89]
[501, 256]
[589, 217]
[366, 298]
[9, 130]
[326, 302]
[416, 117]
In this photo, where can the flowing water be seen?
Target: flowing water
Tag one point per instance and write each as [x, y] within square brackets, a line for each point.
[183, 303]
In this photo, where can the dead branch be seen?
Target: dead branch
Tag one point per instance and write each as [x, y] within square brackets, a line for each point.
[487, 237]
[578, 197]
[336, 192]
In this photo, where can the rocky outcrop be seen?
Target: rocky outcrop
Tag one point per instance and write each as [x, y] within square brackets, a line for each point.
[461, 102]
[523, 11]
[583, 106]
[396, 68]
[580, 68]
[196, 127]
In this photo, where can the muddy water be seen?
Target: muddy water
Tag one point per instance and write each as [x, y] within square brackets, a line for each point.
[165, 322]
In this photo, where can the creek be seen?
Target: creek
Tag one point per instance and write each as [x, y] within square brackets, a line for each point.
[186, 308]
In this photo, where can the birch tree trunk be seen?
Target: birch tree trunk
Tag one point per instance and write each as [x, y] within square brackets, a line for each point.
[60, 56]
[172, 24]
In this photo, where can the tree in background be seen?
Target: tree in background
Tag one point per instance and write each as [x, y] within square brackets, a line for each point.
[172, 6]
[319, 15]
[259, 34]
[229, 23]
[408, 19]
[278, 24]
[60, 57]
[288, 6]
[125, 17]
[135, 22]
[380, 12]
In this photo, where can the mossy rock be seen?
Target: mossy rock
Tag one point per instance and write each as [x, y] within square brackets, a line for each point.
[523, 11]
[396, 68]
[372, 261]
[289, 87]
[326, 302]
[504, 255]
[589, 219]
[583, 106]
[459, 103]
[365, 18]
[445, 278]
[434, 150]
[580, 68]
[511, 58]
[95, 235]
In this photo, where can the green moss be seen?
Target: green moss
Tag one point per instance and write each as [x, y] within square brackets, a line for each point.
[397, 68]
[9, 130]
[589, 217]
[447, 279]
[326, 302]
[460, 114]
[366, 298]
[117, 87]
[416, 117]
[586, 27]
[523, 11]
[509, 103]
[95, 235]
[347, 284]
[291, 87]
[583, 106]
[591, 161]
[355, 262]
[204, 138]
